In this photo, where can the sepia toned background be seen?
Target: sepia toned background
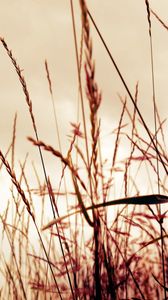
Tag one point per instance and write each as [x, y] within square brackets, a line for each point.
[39, 30]
[36, 30]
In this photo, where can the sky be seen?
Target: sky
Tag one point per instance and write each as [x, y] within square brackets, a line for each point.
[36, 30]
[39, 30]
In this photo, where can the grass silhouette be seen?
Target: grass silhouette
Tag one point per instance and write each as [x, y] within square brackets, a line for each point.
[100, 247]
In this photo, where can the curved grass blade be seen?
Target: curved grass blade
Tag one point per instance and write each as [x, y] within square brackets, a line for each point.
[136, 200]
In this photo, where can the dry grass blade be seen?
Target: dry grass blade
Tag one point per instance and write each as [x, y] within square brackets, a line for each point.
[153, 241]
[156, 139]
[13, 141]
[163, 286]
[94, 98]
[137, 200]
[29, 103]
[93, 95]
[98, 246]
[28, 207]
[22, 81]
[67, 162]
[17, 185]
[148, 12]
[159, 19]
[79, 197]
[128, 91]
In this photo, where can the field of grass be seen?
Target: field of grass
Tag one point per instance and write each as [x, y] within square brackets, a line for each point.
[106, 234]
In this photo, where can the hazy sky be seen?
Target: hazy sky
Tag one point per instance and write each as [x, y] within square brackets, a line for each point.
[36, 30]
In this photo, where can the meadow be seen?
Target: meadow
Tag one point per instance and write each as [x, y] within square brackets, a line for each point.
[97, 229]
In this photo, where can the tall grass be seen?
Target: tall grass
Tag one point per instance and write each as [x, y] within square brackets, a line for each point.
[100, 247]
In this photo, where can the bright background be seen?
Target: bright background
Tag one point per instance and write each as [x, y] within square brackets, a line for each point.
[38, 30]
